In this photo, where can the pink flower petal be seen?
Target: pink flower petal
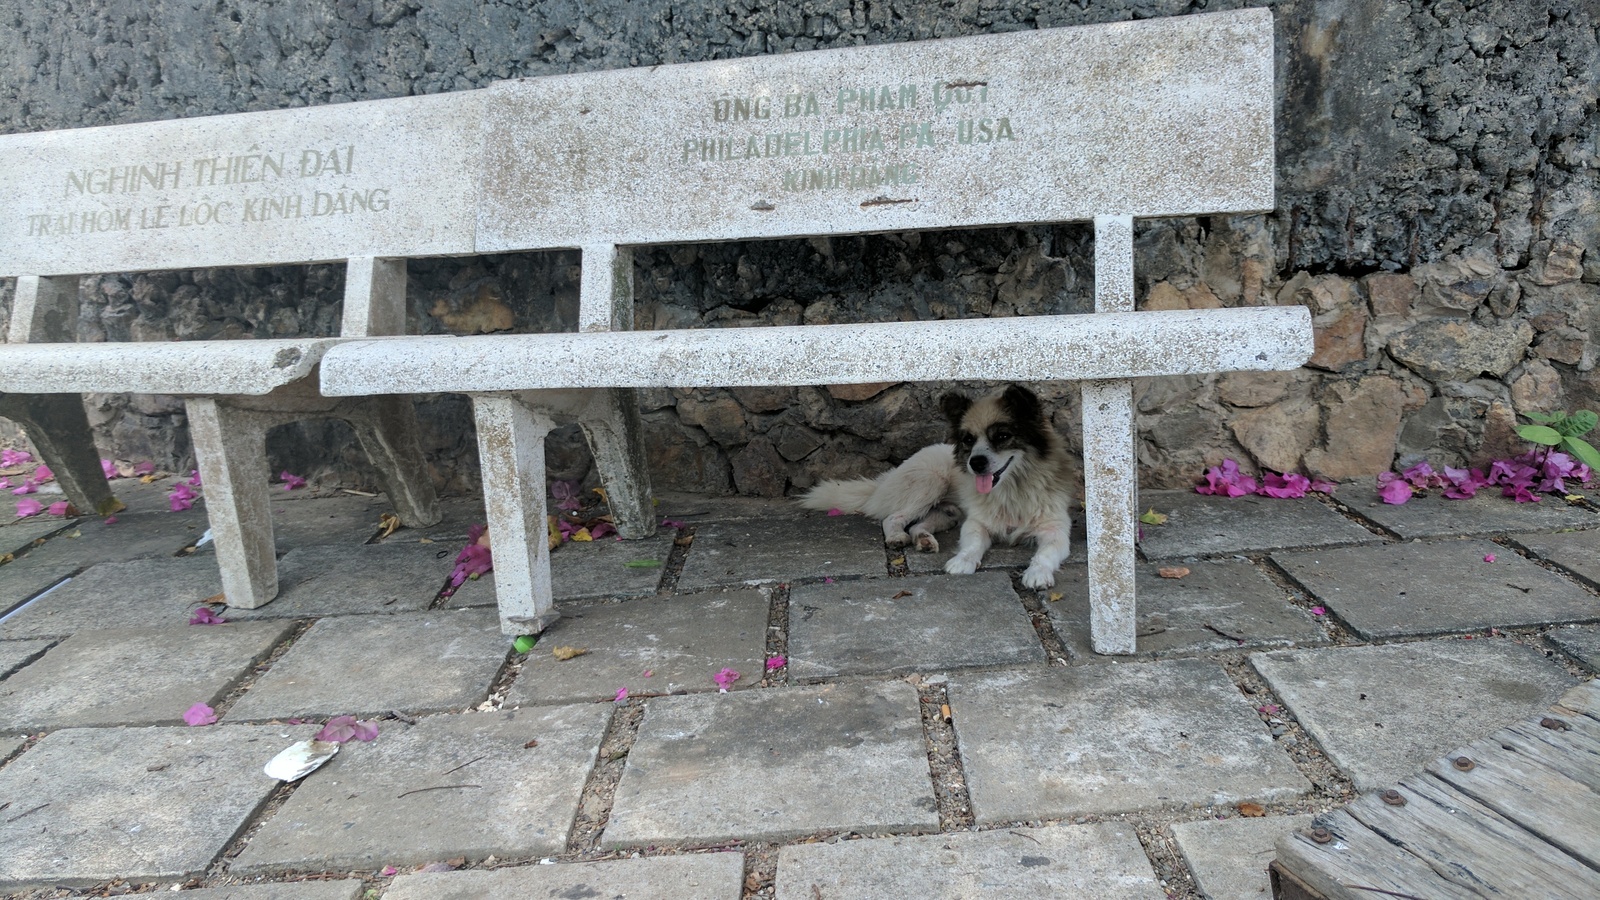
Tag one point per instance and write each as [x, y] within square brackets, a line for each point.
[111, 520]
[1395, 492]
[1488, 557]
[340, 729]
[386, 871]
[60, 508]
[200, 714]
[291, 481]
[194, 478]
[110, 468]
[1270, 709]
[1323, 487]
[836, 511]
[205, 616]
[29, 507]
[725, 680]
[649, 673]
[776, 662]
[622, 694]
[145, 468]
[43, 473]
[671, 523]
[9, 458]
[28, 487]
[1319, 610]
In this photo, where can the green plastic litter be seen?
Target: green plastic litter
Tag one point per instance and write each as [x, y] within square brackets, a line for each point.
[642, 563]
[525, 643]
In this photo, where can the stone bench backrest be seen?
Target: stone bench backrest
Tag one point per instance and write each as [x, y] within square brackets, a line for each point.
[1156, 118]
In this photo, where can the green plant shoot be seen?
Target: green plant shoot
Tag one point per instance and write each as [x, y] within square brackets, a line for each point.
[1566, 431]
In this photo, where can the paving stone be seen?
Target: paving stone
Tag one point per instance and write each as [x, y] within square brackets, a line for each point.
[1441, 587]
[133, 676]
[1576, 551]
[701, 876]
[1487, 513]
[774, 764]
[1104, 861]
[762, 550]
[1581, 642]
[19, 533]
[1198, 525]
[1000, 556]
[133, 594]
[343, 889]
[695, 509]
[365, 665]
[458, 514]
[1184, 615]
[942, 622]
[16, 654]
[682, 641]
[588, 570]
[135, 803]
[10, 745]
[372, 805]
[345, 519]
[341, 580]
[1229, 857]
[21, 581]
[134, 535]
[1383, 712]
[1111, 739]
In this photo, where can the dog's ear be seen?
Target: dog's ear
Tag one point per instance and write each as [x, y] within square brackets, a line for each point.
[1021, 403]
[955, 406]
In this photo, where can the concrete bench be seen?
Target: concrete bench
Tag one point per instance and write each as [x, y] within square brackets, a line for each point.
[294, 186]
[1169, 117]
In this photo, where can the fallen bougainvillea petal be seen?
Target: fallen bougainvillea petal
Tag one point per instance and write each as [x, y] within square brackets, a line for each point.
[200, 714]
[204, 616]
[29, 507]
[725, 680]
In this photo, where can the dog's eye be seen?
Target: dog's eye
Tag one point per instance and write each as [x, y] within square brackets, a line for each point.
[966, 440]
[1001, 436]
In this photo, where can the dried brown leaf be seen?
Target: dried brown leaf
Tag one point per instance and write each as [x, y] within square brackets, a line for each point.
[1253, 810]
[566, 653]
[388, 524]
[1172, 571]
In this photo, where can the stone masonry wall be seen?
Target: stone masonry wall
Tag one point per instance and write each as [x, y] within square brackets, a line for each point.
[1439, 212]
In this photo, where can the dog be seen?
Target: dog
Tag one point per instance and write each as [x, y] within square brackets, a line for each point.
[913, 499]
[1016, 484]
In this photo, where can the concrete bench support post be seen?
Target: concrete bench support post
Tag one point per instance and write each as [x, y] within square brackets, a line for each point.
[230, 445]
[511, 448]
[46, 310]
[1111, 488]
[386, 426]
[612, 424]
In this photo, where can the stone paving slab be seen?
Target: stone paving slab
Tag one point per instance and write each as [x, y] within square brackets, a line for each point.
[682, 641]
[343, 889]
[333, 581]
[134, 594]
[1438, 587]
[134, 535]
[1382, 712]
[1487, 513]
[134, 803]
[372, 805]
[346, 519]
[797, 547]
[1000, 556]
[1104, 861]
[941, 622]
[19, 533]
[1576, 551]
[366, 665]
[588, 570]
[459, 514]
[1229, 857]
[1581, 642]
[1220, 605]
[10, 745]
[1199, 525]
[16, 654]
[134, 676]
[695, 509]
[20, 581]
[1111, 739]
[775, 764]
[701, 876]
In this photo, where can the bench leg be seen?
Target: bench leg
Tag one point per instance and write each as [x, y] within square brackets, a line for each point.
[59, 430]
[616, 437]
[386, 428]
[511, 448]
[1111, 498]
[231, 446]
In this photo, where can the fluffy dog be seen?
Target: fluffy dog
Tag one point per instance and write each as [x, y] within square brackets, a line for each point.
[912, 499]
[1016, 484]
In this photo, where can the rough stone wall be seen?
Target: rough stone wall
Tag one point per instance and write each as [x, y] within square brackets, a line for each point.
[1439, 212]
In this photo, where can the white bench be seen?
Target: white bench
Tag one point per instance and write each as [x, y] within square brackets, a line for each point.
[1169, 117]
[366, 183]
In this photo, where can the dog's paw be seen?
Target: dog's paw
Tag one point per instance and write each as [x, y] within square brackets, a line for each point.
[959, 566]
[927, 543]
[1038, 578]
[897, 541]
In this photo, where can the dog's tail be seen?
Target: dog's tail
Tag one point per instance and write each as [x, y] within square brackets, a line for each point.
[849, 496]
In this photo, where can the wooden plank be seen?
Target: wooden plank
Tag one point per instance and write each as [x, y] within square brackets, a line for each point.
[1540, 798]
[1357, 863]
[1583, 700]
[1574, 753]
[1472, 845]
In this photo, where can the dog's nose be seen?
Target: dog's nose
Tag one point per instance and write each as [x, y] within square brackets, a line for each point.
[980, 464]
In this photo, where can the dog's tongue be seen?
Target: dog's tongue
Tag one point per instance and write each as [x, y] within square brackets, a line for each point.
[985, 482]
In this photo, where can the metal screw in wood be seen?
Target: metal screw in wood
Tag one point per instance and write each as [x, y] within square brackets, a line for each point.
[1393, 797]
[1463, 764]
[1320, 835]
